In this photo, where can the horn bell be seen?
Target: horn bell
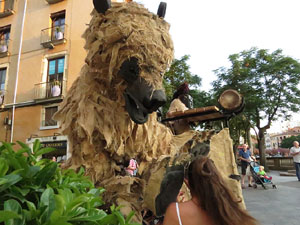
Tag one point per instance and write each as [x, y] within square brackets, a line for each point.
[102, 5]
[161, 12]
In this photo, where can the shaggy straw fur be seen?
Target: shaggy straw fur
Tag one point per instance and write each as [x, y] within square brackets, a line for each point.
[100, 131]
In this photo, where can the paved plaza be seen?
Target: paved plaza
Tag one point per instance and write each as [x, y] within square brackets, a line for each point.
[279, 206]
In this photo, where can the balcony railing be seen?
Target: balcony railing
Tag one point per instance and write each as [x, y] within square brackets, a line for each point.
[6, 8]
[4, 48]
[50, 90]
[53, 36]
[53, 1]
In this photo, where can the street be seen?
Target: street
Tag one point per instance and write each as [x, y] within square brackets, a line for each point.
[279, 206]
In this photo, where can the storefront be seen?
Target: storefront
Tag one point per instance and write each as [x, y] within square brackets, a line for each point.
[60, 143]
[60, 154]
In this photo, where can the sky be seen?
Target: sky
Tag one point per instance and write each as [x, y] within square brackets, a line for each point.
[211, 30]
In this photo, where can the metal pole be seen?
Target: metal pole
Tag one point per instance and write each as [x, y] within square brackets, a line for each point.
[17, 74]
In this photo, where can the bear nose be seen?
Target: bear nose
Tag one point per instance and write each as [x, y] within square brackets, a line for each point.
[158, 99]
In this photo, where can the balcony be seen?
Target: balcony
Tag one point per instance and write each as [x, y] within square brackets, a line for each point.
[6, 8]
[53, 36]
[53, 1]
[49, 91]
[4, 48]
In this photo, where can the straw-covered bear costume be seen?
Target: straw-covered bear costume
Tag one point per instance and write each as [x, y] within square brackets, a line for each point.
[109, 112]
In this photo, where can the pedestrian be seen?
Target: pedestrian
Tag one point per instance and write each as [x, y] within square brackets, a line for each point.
[136, 168]
[131, 167]
[246, 157]
[212, 201]
[295, 152]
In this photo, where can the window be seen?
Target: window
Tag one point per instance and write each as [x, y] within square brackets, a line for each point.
[4, 38]
[56, 69]
[2, 78]
[58, 25]
[48, 113]
[55, 76]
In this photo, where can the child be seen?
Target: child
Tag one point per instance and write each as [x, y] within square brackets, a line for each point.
[263, 174]
[132, 167]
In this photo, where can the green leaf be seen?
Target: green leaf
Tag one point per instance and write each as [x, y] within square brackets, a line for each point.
[36, 145]
[128, 218]
[81, 171]
[77, 211]
[109, 219]
[21, 151]
[2, 147]
[24, 146]
[67, 195]
[31, 206]
[47, 199]
[93, 215]
[120, 217]
[7, 215]
[78, 201]
[11, 160]
[59, 204]
[32, 171]
[8, 146]
[14, 206]
[22, 191]
[9, 180]
[58, 220]
[46, 174]
[3, 167]
[44, 151]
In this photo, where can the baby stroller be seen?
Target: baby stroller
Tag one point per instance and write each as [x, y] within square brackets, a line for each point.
[254, 169]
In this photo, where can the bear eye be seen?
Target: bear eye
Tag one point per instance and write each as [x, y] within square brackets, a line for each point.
[130, 70]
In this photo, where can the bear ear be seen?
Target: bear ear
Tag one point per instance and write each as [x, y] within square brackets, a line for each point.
[102, 5]
[161, 12]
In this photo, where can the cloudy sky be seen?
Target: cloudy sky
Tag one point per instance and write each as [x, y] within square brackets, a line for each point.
[210, 30]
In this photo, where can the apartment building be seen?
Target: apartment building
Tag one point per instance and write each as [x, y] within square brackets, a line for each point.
[275, 140]
[41, 54]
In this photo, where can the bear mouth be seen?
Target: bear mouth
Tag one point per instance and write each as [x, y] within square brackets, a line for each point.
[136, 110]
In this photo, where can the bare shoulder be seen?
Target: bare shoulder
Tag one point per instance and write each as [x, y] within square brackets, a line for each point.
[171, 215]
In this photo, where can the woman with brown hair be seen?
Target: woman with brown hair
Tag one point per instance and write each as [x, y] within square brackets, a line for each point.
[212, 201]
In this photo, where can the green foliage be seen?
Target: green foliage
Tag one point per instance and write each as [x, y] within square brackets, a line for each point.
[178, 73]
[268, 81]
[288, 142]
[238, 127]
[38, 192]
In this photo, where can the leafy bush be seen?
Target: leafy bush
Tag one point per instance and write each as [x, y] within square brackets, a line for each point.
[38, 192]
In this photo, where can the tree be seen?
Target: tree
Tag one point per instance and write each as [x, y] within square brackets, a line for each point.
[268, 81]
[178, 73]
[288, 142]
[239, 126]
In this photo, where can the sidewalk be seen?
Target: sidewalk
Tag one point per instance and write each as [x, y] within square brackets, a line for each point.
[279, 206]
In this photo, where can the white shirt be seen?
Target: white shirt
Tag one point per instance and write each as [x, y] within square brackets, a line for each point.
[296, 157]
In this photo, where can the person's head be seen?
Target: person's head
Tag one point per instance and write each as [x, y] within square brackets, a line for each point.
[214, 196]
[296, 144]
[245, 147]
[261, 168]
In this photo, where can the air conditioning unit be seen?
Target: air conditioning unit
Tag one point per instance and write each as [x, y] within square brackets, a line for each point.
[7, 121]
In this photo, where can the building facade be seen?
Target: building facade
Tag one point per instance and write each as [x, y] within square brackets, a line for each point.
[274, 141]
[41, 54]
